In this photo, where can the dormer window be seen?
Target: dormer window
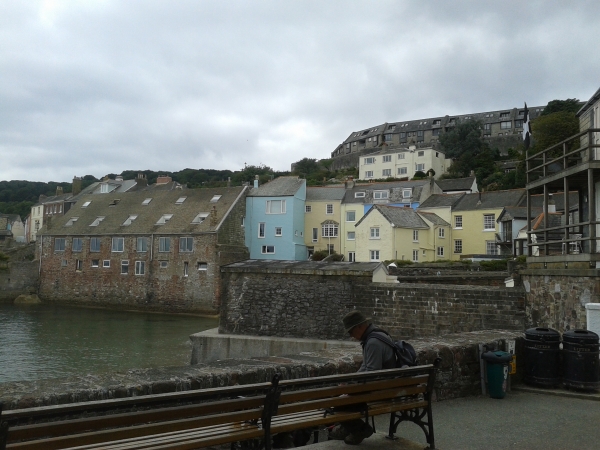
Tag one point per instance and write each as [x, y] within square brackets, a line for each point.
[164, 219]
[130, 219]
[359, 195]
[215, 198]
[96, 222]
[180, 200]
[147, 201]
[104, 188]
[406, 193]
[380, 195]
[71, 221]
[200, 218]
[86, 204]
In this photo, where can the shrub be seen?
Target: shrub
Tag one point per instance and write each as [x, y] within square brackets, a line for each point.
[496, 265]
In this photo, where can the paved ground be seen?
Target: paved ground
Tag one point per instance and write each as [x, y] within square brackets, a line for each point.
[522, 420]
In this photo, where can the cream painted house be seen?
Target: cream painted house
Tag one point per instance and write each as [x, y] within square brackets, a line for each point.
[396, 233]
[360, 198]
[402, 163]
[322, 219]
[474, 225]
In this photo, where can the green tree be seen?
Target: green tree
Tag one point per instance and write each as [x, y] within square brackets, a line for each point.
[466, 146]
[571, 105]
[553, 128]
[306, 167]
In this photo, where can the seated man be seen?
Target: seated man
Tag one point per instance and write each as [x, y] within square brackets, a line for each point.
[377, 355]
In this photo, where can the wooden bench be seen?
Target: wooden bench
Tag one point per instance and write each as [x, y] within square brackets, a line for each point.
[201, 418]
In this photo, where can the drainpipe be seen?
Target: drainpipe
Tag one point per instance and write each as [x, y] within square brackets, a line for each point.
[151, 246]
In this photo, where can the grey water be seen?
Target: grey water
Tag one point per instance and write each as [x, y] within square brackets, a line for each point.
[43, 341]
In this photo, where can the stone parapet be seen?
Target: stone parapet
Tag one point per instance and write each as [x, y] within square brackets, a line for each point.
[459, 373]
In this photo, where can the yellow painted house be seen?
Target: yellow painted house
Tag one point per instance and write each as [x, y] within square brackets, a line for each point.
[322, 218]
[474, 226]
[397, 233]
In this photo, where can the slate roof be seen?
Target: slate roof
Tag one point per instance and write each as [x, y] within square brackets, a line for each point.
[554, 220]
[394, 188]
[398, 216]
[517, 212]
[279, 187]
[130, 203]
[456, 184]
[434, 218]
[537, 201]
[441, 200]
[325, 193]
[11, 217]
[489, 200]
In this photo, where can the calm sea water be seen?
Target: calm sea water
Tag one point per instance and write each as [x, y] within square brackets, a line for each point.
[40, 341]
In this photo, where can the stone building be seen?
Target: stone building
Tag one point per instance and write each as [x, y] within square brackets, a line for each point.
[503, 130]
[148, 249]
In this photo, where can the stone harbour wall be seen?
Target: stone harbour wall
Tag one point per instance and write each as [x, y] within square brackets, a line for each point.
[459, 373]
[18, 277]
[557, 298]
[304, 305]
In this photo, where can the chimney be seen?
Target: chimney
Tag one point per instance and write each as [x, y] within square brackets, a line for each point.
[349, 183]
[228, 181]
[213, 216]
[163, 179]
[119, 178]
[472, 174]
[76, 186]
[551, 204]
[141, 180]
[59, 190]
[255, 181]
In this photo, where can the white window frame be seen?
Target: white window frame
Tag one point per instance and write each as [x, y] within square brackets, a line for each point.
[406, 193]
[489, 222]
[140, 267]
[373, 255]
[369, 160]
[387, 158]
[117, 245]
[369, 174]
[441, 232]
[491, 248]
[95, 263]
[201, 217]
[329, 208]
[308, 208]
[401, 155]
[351, 235]
[77, 245]
[202, 265]
[315, 235]
[272, 208]
[415, 255]
[374, 233]
[440, 251]
[351, 256]
[164, 219]
[415, 235]
[420, 153]
[164, 244]
[458, 247]
[267, 249]
[329, 229]
[386, 173]
[350, 216]
[262, 230]
[458, 222]
[420, 167]
[402, 170]
[186, 244]
[141, 245]
[359, 195]
[279, 231]
[125, 267]
[381, 195]
[106, 264]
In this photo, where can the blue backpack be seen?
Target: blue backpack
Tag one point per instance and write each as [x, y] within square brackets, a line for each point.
[405, 353]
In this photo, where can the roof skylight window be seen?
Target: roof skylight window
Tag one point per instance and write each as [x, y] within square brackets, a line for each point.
[147, 201]
[200, 218]
[215, 198]
[164, 219]
[130, 219]
[86, 204]
[96, 222]
[71, 221]
[180, 200]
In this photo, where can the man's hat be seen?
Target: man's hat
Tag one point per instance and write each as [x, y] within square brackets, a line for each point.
[354, 318]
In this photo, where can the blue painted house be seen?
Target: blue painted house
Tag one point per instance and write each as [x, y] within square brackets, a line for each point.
[275, 220]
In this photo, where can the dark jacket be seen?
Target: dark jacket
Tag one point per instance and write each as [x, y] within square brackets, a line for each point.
[377, 355]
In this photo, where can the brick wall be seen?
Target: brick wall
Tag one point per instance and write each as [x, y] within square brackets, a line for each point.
[311, 305]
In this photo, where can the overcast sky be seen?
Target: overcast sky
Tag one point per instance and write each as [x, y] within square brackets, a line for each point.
[101, 86]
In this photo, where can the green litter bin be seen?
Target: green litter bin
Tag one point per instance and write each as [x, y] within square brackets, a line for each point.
[497, 372]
